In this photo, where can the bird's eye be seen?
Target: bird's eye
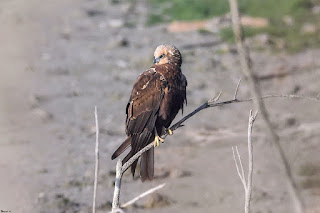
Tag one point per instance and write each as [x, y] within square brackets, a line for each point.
[161, 56]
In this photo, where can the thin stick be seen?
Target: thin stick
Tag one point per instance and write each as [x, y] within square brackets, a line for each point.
[97, 161]
[250, 153]
[117, 187]
[237, 88]
[235, 100]
[135, 157]
[246, 185]
[238, 170]
[241, 167]
[142, 195]
[246, 67]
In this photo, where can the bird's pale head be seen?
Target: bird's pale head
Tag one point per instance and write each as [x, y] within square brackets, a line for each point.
[167, 54]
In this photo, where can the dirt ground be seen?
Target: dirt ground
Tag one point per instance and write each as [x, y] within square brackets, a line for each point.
[61, 58]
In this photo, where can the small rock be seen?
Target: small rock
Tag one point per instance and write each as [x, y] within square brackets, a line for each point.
[115, 23]
[291, 121]
[43, 170]
[224, 48]
[118, 42]
[261, 40]
[256, 22]
[122, 64]
[308, 28]
[163, 173]
[41, 197]
[288, 20]
[316, 9]
[296, 89]
[94, 12]
[105, 206]
[64, 204]
[112, 173]
[179, 173]
[123, 42]
[280, 43]
[157, 200]
[45, 56]
[102, 25]
[34, 100]
[43, 115]
[115, 1]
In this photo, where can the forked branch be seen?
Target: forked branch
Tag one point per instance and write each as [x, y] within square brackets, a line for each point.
[247, 185]
[246, 67]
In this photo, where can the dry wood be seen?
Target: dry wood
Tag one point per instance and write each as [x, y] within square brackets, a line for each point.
[246, 67]
[97, 161]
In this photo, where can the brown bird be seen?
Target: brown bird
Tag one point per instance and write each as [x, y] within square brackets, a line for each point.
[157, 96]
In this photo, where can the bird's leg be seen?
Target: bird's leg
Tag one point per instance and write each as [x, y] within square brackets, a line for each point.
[157, 138]
[170, 132]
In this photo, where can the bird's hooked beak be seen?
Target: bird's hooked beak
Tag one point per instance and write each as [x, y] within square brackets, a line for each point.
[156, 60]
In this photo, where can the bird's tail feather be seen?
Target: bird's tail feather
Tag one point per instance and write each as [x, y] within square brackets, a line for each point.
[146, 162]
[122, 148]
[147, 165]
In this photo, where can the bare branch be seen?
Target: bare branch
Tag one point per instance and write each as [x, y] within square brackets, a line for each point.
[212, 103]
[142, 195]
[250, 152]
[214, 99]
[117, 211]
[236, 91]
[238, 170]
[242, 171]
[97, 161]
[246, 185]
[135, 157]
[117, 187]
[246, 67]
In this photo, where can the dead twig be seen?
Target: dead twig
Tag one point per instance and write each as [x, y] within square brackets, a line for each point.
[97, 161]
[246, 185]
[213, 103]
[246, 67]
[142, 195]
[117, 187]
[120, 169]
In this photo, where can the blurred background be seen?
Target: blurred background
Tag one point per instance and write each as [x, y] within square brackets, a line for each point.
[61, 58]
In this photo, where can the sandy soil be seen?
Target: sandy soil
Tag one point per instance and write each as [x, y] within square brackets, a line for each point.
[60, 59]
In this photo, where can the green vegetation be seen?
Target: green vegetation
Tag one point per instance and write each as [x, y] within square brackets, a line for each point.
[227, 33]
[273, 10]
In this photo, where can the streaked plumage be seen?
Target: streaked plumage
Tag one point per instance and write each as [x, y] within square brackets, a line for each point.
[157, 96]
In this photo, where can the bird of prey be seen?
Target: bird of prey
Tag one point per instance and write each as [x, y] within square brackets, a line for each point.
[157, 96]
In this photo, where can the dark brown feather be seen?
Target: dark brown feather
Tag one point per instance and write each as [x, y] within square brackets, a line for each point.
[146, 165]
[122, 148]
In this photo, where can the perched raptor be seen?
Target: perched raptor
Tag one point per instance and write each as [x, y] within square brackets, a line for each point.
[157, 96]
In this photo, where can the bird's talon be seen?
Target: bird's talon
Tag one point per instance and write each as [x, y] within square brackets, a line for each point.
[156, 141]
[160, 139]
[170, 132]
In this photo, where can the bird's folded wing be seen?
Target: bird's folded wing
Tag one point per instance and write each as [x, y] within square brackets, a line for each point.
[142, 108]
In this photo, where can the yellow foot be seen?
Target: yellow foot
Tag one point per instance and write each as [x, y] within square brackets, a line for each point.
[170, 132]
[156, 141]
